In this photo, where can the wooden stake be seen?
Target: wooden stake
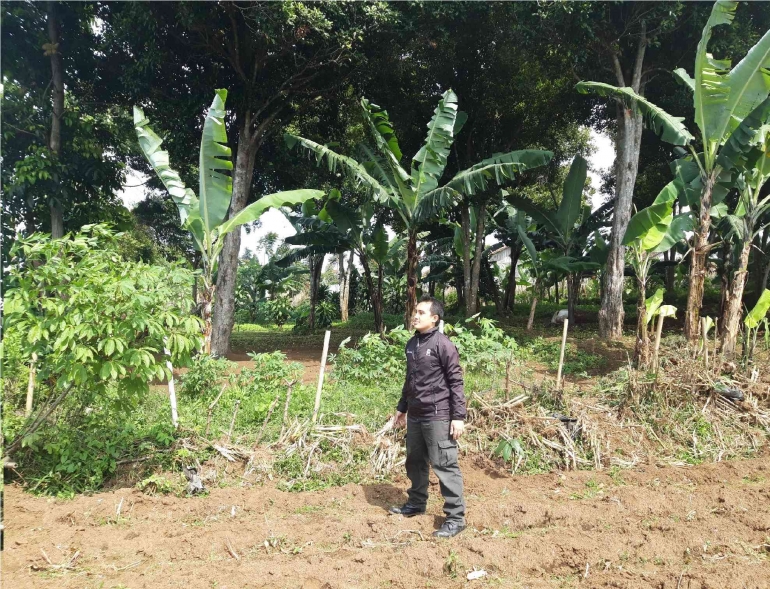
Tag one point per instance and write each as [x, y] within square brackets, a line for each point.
[561, 354]
[31, 385]
[716, 330]
[171, 390]
[232, 421]
[441, 326]
[705, 342]
[321, 376]
[657, 343]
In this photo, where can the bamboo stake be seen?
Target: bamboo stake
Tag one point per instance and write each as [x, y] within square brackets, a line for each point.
[211, 408]
[561, 354]
[441, 326]
[705, 342]
[232, 421]
[171, 389]
[31, 385]
[321, 377]
[657, 343]
[716, 331]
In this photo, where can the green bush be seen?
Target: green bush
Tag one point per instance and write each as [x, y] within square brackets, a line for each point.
[374, 358]
[204, 376]
[98, 325]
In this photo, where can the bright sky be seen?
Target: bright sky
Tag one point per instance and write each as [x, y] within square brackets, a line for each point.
[274, 221]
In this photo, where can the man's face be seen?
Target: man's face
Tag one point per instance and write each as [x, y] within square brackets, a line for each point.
[423, 320]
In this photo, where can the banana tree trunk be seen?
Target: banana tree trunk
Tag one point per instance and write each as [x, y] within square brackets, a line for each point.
[573, 284]
[345, 285]
[224, 304]
[411, 278]
[465, 227]
[510, 291]
[491, 287]
[698, 266]
[531, 320]
[627, 146]
[375, 296]
[642, 348]
[57, 92]
[206, 294]
[732, 315]
[316, 265]
[476, 267]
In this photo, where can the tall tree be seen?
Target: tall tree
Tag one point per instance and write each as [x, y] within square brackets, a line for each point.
[61, 152]
[274, 58]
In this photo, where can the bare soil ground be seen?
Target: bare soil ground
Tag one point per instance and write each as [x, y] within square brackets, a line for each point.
[696, 527]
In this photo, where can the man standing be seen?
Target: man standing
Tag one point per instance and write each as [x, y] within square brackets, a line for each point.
[433, 407]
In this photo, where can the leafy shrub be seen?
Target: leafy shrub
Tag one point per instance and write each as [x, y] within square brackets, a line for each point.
[277, 311]
[325, 314]
[204, 375]
[98, 325]
[483, 350]
[575, 361]
[374, 358]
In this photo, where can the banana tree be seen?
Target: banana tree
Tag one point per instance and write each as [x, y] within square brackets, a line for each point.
[723, 97]
[205, 215]
[416, 195]
[508, 221]
[753, 320]
[568, 228]
[752, 172]
[650, 232]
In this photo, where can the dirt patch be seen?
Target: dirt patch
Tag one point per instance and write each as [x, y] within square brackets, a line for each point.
[310, 358]
[697, 527]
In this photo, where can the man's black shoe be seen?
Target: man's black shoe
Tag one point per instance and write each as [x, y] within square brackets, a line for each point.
[407, 510]
[449, 530]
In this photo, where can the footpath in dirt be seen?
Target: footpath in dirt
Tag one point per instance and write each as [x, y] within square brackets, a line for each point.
[688, 528]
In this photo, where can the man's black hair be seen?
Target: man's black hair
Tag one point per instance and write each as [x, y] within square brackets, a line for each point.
[436, 306]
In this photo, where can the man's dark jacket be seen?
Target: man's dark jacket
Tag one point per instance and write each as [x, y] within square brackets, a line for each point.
[434, 380]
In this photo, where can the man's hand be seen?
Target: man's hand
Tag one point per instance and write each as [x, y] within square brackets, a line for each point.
[456, 428]
[400, 420]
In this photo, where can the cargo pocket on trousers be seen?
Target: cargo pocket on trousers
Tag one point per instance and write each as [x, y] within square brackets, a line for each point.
[447, 453]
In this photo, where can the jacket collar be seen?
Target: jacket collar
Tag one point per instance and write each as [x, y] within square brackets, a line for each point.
[426, 334]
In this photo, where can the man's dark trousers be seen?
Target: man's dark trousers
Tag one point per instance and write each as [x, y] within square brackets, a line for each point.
[429, 443]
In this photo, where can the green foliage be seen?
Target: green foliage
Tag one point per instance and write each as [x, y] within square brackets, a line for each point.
[93, 318]
[374, 358]
[482, 350]
[98, 325]
[575, 361]
[278, 311]
[204, 376]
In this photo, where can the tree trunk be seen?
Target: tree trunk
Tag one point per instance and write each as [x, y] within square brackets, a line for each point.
[465, 227]
[316, 266]
[345, 285]
[725, 281]
[732, 315]
[556, 291]
[573, 285]
[532, 308]
[489, 281]
[375, 296]
[510, 291]
[432, 288]
[642, 349]
[627, 144]
[206, 297]
[476, 268]
[411, 278]
[54, 141]
[224, 304]
[698, 266]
